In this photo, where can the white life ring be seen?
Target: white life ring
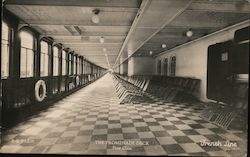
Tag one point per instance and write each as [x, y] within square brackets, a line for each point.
[77, 80]
[40, 93]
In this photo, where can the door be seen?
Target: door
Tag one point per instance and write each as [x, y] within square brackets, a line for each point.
[228, 70]
[219, 73]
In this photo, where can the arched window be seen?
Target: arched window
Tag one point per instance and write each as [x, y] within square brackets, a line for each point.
[64, 61]
[27, 55]
[5, 51]
[173, 66]
[44, 59]
[166, 66]
[55, 61]
[159, 67]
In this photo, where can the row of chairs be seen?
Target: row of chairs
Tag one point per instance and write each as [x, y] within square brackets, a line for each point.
[180, 89]
[174, 88]
[141, 82]
[131, 89]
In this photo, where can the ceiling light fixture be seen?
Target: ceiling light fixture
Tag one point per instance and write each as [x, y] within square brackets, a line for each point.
[189, 33]
[104, 49]
[150, 52]
[102, 40]
[95, 18]
[163, 45]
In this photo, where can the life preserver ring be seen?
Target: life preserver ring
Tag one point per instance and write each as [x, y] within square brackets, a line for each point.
[40, 90]
[77, 80]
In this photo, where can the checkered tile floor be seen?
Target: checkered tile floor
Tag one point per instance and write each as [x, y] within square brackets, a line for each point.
[91, 121]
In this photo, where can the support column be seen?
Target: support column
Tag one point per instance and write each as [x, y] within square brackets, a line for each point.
[124, 68]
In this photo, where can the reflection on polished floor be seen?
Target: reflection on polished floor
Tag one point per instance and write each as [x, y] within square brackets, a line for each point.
[91, 121]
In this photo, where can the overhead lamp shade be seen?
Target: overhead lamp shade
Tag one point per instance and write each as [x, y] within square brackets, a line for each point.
[163, 45]
[150, 52]
[95, 19]
[101, 40]
[189, 33]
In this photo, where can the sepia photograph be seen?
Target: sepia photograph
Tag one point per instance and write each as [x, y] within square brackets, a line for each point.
[124, 78]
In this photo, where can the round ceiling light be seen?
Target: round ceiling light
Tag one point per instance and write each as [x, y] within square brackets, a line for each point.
[189, 33]
[95, 18]
[101, 40]
[163, 45]
[150, 52]
[104, 49]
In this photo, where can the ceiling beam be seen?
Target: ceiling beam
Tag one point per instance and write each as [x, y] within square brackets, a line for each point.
[199, 24]
[93, 43]
[167, 22]
[89, 3]
[86, 34]
[61, 23]
[242, 24]
[69, 22]
[144, 6]
[240, 7]
[88, 40]
[102, 9]
[173, 36]
[99, 54]
[96, 52]
[107, 36]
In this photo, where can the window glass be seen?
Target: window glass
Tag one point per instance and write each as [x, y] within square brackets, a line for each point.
[55, 61]
[159, 67]
[64, 62]
[78, 66]
[166, 66]
[70, 64]
[44, 59]
[27, 55]
[83, 66]
[74, 66]
[5, 47]
[173, 66]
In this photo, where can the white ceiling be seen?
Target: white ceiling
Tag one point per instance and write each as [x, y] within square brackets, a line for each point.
[129, 27]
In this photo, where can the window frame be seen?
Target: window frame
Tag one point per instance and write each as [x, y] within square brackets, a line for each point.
[58, 61]
[48, 59]
[173, 66]
[64, 62]
[159, 62]
[33, 50]
[166, 66]
[6, 64]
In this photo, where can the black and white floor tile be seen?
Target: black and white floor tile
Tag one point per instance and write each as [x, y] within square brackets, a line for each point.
[91, 121]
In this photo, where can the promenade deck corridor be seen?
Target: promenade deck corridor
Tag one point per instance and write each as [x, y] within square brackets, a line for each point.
[91, 121]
